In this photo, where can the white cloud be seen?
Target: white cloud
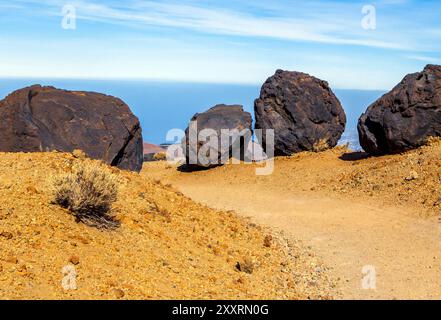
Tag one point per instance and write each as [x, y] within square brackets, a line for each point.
[193, 56]
[425, 59]
[320, 27]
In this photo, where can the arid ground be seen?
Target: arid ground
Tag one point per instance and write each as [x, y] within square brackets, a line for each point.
[351, 210]
[304, 232]
[167, 247]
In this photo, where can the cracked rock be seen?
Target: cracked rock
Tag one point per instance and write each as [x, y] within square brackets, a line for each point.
[39, 119]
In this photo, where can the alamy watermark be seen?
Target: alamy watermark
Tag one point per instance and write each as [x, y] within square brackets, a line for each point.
[369, 20]
[69, 17]
[369, 280]
[69, 281]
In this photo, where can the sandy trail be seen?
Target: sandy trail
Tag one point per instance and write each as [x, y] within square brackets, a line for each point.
[347, 234]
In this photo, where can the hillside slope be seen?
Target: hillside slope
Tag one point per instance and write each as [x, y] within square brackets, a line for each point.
[354, 211]
[168, 247]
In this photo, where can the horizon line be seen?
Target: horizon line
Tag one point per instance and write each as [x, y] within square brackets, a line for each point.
[165, 80]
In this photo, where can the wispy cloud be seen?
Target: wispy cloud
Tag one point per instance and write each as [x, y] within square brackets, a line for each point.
[320, 26]
[11, 6]
[425, 59]
[240, 41]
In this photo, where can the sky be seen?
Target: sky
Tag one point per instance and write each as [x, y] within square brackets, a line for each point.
[229, 41]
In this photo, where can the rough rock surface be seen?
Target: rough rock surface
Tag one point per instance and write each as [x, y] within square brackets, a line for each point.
[219, 117]
[303, 111]
[405, 117]
[37, 118]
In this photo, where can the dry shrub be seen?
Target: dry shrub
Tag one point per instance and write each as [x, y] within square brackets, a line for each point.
[320, 145]
[88, 192]
[161, 212]
[160, 156]
[246, 265]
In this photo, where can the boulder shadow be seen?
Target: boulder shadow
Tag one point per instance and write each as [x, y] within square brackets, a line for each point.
[354, 156]
[188, 168]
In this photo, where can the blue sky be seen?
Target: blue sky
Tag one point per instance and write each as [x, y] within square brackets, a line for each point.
[228, 41]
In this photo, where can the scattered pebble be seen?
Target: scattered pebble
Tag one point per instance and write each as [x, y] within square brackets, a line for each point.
[75, 260]
[12, 259]
[7, 235]
[267, 241]
[119, 294]
[413, 175]
[79, 154]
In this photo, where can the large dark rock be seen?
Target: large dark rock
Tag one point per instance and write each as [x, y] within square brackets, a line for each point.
[303, 111]
[406, 116]
[40, 118]
[220, 117]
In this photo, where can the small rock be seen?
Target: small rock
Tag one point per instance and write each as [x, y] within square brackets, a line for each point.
[313, 283]
[22, 269]
[74, 260]
[318, 269]
[7, 235]
[246, 266]
[413, 175]
[284, 263]
[119, 294]
[31, 189]
[216, 251]
[79, 154]
[267, 241]
[12, 259]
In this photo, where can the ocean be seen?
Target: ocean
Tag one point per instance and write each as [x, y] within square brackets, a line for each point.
[161, 106]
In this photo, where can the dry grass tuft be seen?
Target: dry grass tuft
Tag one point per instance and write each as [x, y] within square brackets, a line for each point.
[246, 265]
[88, 192]
[320, 145]
[160, 156]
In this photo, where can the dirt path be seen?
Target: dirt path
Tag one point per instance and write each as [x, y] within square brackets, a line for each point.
[404, 250]
[347, 233]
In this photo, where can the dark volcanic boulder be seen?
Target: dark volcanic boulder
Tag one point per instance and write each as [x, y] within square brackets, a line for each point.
[303, 111]
[207, 146]
[406, 116]
[40, 118]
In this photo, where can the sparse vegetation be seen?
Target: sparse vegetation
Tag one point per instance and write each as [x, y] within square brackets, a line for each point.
[88, 192]
[246, 265]
[167, 244]
[160, 156]
[320, 145]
